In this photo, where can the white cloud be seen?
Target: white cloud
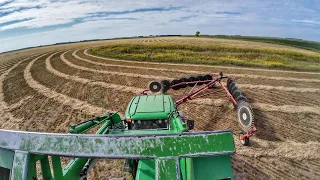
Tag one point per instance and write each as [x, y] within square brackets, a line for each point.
[269, 18]
[307, 21]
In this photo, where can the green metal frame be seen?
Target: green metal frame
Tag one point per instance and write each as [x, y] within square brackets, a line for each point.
[161, 154]
[166, 149]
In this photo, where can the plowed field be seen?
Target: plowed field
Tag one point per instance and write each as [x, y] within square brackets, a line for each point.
[47, 89]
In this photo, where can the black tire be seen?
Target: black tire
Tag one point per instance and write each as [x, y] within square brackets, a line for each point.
[245, 116]
[201, 78]
[236, 93]
[208, 77]
[192, 79]
[245, 141]
[155, 86]
[241, 98]
[165, 85]
[232, 87]
[184, 80]
[229, 81]
[174, 82]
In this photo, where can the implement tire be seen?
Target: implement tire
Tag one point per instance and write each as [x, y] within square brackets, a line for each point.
[192, 79]
[245, 116]
[201, 78]
[155, 86]
[184, 80]
[165, 85]
[174, 82]
[245, 141]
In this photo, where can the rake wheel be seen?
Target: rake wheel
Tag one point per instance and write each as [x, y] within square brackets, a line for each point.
[165, 85]
[155, 86]
[241, 98]
[192, 79]
[229, 81]
[236, 93]
[184, 80]
[201, 78]
[244, 141]
[245, 116]
[174, 82]
[208, 77]
[232, 86]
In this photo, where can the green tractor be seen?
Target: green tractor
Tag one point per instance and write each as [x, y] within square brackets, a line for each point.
[153, 137]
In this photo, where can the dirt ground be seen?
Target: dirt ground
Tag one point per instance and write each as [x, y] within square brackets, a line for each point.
[47, 89]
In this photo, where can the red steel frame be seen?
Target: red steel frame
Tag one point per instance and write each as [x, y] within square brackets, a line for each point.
[196, 94]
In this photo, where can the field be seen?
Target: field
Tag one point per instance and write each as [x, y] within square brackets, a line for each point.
[287, 41]
[47, 89]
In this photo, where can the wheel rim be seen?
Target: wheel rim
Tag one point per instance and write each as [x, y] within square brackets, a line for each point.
[245, 116]
[155, 86]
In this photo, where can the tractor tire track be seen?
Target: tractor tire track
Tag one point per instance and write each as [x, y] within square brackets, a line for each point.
[61, 98]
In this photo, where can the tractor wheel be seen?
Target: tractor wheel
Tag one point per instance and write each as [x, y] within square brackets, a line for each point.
[201, 78]
[174, 82]
[192, 79]
[245, 116]
[155, 86]
[165, 85]
[184, 80]
[245, 141]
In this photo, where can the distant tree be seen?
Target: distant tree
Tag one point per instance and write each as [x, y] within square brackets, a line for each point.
[197, 33]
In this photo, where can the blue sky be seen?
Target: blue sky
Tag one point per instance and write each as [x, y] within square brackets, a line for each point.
[25, 23]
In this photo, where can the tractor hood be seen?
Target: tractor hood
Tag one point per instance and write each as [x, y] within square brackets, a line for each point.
[146, 107]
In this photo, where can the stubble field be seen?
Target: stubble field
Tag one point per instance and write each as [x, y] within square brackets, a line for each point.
[47, 89]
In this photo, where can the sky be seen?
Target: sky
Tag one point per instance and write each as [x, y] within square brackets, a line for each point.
[27, 23]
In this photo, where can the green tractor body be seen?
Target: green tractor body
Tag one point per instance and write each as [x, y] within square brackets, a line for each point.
[153, 137]
[157, 114]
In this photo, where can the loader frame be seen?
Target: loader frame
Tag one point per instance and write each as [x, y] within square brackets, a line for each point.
[27, 148]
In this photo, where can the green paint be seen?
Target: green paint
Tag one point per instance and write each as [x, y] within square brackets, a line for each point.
[166, 169]
[56, 167]
[6, 158]
[19, 165]
[45, 168]
[157, 151]
[215, 167]
[149, 107]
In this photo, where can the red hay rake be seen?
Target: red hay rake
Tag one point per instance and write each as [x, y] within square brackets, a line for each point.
[213, 83]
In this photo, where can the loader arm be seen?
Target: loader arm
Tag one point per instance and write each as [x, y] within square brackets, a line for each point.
[26, 148]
